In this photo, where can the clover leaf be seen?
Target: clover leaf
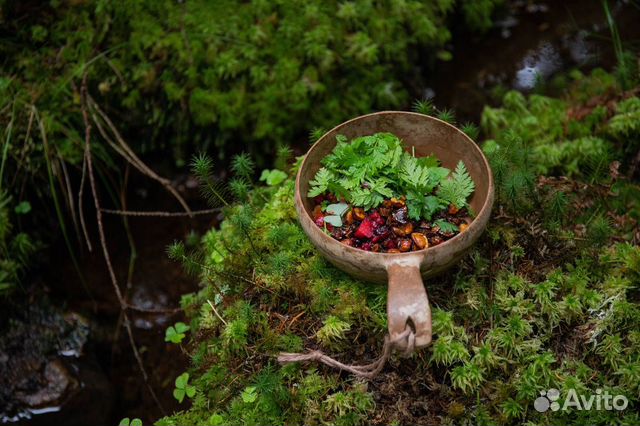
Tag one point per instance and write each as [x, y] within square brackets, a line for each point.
[335, 213]
[333, 220]
[23, 207]
[130, 422]
[337, 209]
[176, 333]
[183, 388]
[273, 177]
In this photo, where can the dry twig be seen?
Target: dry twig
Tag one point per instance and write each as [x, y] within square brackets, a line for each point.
[103, 243]
[159, 213]
[127, 153]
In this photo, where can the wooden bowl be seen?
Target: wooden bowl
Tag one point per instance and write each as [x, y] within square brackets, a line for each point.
[407, 303]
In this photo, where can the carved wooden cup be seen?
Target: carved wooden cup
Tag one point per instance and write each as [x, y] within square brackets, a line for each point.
[407, 304]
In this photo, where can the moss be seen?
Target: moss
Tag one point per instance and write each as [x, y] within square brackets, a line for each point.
[546, 299]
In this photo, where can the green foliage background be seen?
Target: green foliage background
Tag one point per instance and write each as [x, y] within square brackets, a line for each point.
[547, 299]
[181, 76]
[219, 73]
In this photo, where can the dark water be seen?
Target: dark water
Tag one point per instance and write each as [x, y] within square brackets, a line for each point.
[157, 283]
[531, 44]
[96, 380]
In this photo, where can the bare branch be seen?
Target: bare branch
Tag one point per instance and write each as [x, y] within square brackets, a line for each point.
[133, 158]
[103, 243]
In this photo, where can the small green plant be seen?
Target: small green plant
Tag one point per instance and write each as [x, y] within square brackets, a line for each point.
[273, 177]
[176, 333]
[333, 330]
[183, 388]
[351, 406]
[423, 106]
[16, 248]
[22, 207]
[447, 351]
[471, 130]
[216, 420]
[447, 115]
[249, 395]
[130, 422]
[467, 377]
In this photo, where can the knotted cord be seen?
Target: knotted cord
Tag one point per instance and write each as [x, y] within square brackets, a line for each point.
[367, 371]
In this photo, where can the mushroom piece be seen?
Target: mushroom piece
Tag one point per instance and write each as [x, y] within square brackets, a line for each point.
[404, 230]
[420, 240]
[358, 213]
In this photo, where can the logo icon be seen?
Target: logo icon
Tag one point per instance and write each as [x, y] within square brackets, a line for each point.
[547, 400]
[600, 400]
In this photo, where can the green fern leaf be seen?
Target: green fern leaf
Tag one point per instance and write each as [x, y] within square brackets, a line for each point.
[321, 182]
[458, 187]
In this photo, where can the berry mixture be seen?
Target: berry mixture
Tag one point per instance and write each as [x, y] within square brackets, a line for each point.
[373, 193]
[388, 228]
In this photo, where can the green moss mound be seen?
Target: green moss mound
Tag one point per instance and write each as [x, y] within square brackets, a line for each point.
[546, 299]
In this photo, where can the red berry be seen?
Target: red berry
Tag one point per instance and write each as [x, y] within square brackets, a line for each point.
[375, 217]
[390, 244]
[365, 230]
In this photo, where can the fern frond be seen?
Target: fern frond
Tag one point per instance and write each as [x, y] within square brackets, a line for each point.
[321, 182]
[415, 175]
[445, 226]
[458, 187]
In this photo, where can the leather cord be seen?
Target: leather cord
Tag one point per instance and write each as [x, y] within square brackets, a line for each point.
[367, 371]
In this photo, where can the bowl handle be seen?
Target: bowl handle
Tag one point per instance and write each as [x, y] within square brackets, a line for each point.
[408, 305]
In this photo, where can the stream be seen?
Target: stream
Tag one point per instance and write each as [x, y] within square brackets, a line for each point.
[93, 377]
